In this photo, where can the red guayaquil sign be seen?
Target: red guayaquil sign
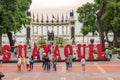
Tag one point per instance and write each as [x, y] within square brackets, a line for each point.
[68, 49]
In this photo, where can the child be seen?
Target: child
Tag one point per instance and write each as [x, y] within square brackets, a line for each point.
[23, 62]
[70, 61]
[31, 63]
[110, 53]
[83, 62]
[27, 64]
[19, 63]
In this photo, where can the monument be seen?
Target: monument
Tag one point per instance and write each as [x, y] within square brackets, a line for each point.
[65, 24]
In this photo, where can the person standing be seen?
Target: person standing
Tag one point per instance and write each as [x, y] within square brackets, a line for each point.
[19, 63]
[43, 60]
[1, 59]
[15, 51]
[49, 64]
[23, 62]
[46, 63]
[70, 63]
[38, 55]
[31, 62]
[27, 64]
[54, 62]
[110, 53]
[83, 63]
[67, 62]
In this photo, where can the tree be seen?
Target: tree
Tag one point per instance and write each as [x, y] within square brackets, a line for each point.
[107, 13]
[111, 19]
[12, 17]
[89, 14]
[88, 18]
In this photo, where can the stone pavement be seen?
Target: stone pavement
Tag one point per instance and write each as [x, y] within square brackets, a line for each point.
[94, 71]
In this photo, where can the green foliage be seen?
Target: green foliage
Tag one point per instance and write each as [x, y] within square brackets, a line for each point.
[84, 31]
[41, 41]
[87, 16]
[13, 14]
[111, 17]
[113, 49]
[60, 40]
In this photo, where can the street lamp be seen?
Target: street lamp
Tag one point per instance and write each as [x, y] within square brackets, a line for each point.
[92, 38]
[110, 37]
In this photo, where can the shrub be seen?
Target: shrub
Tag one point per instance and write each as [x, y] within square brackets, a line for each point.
[41, 41]
[113, 49]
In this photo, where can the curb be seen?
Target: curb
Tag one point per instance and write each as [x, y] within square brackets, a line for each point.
[39, 61]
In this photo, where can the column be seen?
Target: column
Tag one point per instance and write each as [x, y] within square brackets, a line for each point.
[47, 28]
[53, 28]
[63, 31]
[37, 33]
[57, 30]
[33, 33]
[47, 32]
[66, 31]
[70, 32]
[41, 30]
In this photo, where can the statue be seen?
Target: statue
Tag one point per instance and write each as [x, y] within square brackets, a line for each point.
[72, 13]
[50, 36]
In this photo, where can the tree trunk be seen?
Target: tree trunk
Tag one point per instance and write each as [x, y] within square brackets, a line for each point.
[116, 39]
[11, 41]
[106, 35]
[100, 30]
[0, 40]
[83, 39]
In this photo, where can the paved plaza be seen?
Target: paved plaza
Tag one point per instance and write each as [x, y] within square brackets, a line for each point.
[94, 71]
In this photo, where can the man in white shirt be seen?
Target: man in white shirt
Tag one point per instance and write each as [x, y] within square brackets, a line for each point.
[83, 62]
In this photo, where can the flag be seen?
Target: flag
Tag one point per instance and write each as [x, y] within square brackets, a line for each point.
[42, 19]
[47, 19]
[33, 17]
[66, 17]
[62, 18]
[37, 20]
[53, 17]
[57, 18]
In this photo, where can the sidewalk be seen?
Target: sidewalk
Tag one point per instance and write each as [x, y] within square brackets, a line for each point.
[94, 71]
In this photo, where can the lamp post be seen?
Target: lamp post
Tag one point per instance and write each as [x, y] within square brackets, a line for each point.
[110, 37]
[92, 38]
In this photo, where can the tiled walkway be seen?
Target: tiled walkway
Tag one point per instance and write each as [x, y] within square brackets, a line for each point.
[94, 71]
